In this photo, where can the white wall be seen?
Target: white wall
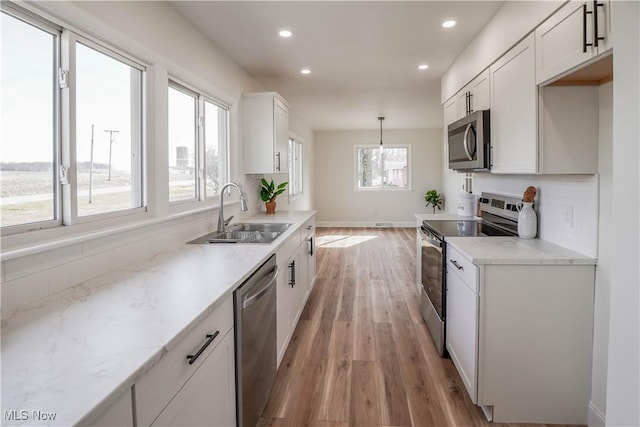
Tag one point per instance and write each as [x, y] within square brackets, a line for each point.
[157, 34]
[623, 376]
[337, 201]
[598, 404]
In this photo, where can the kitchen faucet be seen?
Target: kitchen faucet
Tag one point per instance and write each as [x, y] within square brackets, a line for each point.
[243, 205]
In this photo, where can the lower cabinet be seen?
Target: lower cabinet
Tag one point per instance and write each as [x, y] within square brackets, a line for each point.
[119, 414]
[520, 336]
[296, 277]
[462, 321]
[193, 384]
[208, 397]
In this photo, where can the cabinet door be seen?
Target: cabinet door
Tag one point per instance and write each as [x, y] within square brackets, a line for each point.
[514, 121]
[603, 14]
[281, 118]
[462, 330]
[480, 93]
[462, 104]
[119, 414]
[265, 118]
[208, 398]
[283, 301]
[311, 259]
[560, 41]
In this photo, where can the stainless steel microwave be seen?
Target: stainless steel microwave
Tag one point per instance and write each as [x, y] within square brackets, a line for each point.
[469, 142]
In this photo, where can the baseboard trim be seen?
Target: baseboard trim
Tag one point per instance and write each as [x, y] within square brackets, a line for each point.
[362, 224]
[595, 417]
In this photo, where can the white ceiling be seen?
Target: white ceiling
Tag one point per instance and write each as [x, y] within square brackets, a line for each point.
[363, 55]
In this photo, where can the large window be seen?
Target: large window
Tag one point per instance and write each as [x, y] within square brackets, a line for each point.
[197, 145]
[295, 167]
[29, 143]
[108, 131]
[71, 126]
[383, 167]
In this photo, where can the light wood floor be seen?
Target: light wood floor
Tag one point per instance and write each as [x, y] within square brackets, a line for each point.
[361, 354]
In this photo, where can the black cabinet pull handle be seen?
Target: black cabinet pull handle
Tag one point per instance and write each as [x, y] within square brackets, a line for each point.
[584, 28]
[210, 337]
[596, 36]
[278, 163]
[311, 246]
[458, 266]
[292, 266]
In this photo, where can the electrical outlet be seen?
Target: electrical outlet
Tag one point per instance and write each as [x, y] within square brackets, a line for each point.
[568, 217]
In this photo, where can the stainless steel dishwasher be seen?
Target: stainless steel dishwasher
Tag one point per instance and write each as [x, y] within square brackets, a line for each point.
[255, 340]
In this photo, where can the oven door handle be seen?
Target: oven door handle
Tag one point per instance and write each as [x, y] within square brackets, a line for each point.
[432, 240]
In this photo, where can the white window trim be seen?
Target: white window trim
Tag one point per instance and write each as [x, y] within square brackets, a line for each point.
[65, 195]
[68, 157]
[409, 186]
[201, 200]
[43, 24]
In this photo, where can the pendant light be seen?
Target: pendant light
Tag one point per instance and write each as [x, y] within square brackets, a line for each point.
[381, 118]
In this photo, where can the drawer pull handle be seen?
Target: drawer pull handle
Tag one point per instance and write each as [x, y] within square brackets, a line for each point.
[210, 337]
[458, 266]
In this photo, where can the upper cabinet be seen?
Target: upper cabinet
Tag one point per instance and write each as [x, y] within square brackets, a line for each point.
[474, 96]
[514, 95]
[265, 133]
[577, 33]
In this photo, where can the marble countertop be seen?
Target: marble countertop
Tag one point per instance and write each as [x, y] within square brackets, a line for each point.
[514, 250]
[75, 352]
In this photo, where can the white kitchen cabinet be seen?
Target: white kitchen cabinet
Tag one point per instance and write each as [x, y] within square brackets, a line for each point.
[520, 336]
[462, 318]
[514, 115]
[265, 133]
[567, 39]
[474, 96]
[208, 397]
[164, 382]
[297, 271]
[119, 414]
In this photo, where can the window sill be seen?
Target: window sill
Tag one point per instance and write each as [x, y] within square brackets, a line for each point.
[19, 250]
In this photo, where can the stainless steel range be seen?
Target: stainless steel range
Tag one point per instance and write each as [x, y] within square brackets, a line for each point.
[498, 217]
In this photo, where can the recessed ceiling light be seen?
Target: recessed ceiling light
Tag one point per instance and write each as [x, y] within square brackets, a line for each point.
[448, 24]
[305, 71]
[423, 67]
[285, 33]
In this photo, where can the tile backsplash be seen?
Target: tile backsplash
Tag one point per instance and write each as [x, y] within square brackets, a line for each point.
[567, 206]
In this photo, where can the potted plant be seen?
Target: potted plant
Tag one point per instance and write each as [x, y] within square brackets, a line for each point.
[434, 199]
[269, 192]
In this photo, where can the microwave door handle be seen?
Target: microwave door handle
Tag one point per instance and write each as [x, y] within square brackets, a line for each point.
[465, 143]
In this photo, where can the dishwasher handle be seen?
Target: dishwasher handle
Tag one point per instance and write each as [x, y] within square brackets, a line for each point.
[254, 296]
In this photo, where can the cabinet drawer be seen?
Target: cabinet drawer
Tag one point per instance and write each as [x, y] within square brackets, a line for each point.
[307, 229]
[158, 386]
[464, 268]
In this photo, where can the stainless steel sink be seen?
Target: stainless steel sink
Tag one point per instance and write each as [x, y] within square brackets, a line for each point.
[245, 233]
[275, 227]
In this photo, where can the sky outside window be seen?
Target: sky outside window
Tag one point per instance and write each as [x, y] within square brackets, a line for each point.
[27, 123]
